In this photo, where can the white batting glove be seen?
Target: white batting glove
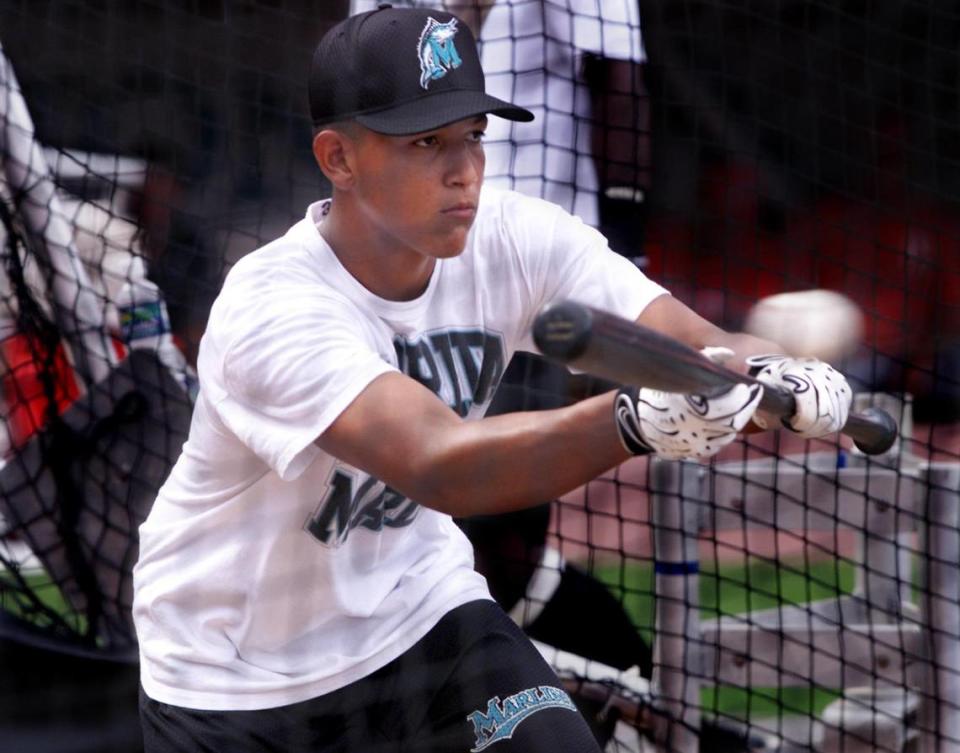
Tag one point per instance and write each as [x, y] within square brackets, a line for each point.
[822, 394]
[677, 426]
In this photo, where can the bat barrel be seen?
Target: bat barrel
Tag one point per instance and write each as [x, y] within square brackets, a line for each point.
[617, 349]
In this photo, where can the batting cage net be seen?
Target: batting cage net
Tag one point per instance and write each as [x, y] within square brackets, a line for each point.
[789, 169]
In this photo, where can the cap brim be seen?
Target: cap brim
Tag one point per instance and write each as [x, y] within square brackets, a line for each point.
[438, 110]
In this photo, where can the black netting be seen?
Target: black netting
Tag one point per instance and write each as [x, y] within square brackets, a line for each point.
[789, 595]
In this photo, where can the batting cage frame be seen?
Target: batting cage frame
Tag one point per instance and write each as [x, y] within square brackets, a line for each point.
[890, 652]
[97, 386]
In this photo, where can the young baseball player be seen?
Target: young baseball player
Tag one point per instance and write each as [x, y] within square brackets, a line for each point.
[577, 67]
[301, 584]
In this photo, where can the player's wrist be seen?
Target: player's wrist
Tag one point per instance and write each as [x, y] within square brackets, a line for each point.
[676, 426]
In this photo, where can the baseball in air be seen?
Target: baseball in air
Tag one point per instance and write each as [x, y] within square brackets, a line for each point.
[820, 324]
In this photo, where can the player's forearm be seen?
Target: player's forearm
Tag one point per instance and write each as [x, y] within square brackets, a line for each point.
[512, 461]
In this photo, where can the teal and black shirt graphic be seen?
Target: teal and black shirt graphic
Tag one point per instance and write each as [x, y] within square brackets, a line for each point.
[462, 367]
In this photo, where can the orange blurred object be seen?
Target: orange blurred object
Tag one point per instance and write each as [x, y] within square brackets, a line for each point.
[24, 395]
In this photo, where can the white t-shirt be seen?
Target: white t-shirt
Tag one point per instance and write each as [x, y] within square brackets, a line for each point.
[270, 572]
[532, 54]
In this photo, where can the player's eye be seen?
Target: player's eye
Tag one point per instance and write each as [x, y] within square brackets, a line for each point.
[478, 135]
[426, 141]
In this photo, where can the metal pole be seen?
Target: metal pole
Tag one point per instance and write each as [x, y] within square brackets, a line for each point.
[677, 672]
[883, 572]
[941, 699]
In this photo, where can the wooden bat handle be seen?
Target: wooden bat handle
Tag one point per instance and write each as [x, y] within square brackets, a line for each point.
[614, 348]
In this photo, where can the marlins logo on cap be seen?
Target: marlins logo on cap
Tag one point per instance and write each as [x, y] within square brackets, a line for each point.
[437, 50]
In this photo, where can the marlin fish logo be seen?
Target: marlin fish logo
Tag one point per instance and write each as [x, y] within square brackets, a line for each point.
[436, 50]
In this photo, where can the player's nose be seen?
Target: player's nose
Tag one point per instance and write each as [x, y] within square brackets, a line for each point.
[466, 166]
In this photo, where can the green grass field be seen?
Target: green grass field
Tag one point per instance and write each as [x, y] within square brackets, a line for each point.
[48, 597]
[736, 589]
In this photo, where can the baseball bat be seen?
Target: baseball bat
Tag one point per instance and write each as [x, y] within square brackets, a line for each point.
[617, 349]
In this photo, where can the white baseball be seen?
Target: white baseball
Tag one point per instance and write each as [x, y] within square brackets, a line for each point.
[812, 323]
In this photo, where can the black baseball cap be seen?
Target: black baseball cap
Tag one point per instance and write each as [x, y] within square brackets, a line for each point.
[399, 71]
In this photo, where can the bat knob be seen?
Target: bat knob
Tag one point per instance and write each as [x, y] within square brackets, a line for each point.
[562, 330]
[882, 435]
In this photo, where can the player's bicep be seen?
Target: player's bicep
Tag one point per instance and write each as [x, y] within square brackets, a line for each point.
[392, 430]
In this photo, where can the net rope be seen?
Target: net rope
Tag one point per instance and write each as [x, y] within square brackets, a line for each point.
[790, 594]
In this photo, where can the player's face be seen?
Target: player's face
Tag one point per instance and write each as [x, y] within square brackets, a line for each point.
[420, 192]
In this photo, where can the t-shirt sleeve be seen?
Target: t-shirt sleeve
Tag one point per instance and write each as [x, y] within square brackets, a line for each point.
[287, 374]
[562, 258]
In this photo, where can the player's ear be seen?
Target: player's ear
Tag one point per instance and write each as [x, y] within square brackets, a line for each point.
[332, 149]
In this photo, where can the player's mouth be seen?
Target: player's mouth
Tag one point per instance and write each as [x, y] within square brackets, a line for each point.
[463, 211]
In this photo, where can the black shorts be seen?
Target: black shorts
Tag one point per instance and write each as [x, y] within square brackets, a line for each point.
[474, 682]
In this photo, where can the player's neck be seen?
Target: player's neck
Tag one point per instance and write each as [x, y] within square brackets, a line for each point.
[381, 264]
